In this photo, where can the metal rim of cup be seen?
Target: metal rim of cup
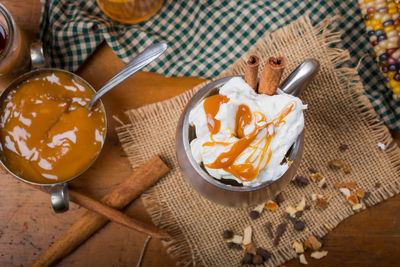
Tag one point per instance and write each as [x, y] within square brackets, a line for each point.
[23, 78]
[10, 30]
[197, 98]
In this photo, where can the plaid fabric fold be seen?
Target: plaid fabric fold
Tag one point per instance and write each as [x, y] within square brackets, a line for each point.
[204, 37]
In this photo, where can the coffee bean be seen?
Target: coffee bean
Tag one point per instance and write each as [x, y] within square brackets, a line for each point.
[247, 259]
[299, 225]
[257, 259]
[228, 234]
[265, 254]
[254, 214]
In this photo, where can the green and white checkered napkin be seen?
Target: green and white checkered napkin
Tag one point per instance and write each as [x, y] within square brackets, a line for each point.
[204, 37]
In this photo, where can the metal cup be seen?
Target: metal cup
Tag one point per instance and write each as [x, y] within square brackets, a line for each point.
[225, 194]
[58, 190]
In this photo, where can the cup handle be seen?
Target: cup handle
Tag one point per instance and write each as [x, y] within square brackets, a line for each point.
[37, 56]
[59, 197]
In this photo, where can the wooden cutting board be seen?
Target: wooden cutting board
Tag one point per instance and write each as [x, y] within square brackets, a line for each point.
[28, 225]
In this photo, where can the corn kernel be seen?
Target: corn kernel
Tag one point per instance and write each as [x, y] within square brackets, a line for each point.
[392, 10]
[391, 74]
[388, 29]
[394, 83]
[391, 5]
[396, 90]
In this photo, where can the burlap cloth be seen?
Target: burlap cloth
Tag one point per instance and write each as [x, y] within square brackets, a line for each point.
[338, 113]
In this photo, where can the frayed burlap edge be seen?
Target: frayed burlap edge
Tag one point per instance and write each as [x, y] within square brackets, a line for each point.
[179, 249]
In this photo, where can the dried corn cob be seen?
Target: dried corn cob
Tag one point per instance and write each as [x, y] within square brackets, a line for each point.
[382, 19]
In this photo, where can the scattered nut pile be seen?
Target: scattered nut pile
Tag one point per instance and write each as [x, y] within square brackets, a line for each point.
[353, 195]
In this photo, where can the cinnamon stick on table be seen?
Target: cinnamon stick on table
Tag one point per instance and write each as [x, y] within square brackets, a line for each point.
[90, 222]
[251, 75]
[271, 75]
[116, 215]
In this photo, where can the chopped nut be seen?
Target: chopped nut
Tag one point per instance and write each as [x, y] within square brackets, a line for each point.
[322, 182]
[301, 204]
[302, 259]
[279, 232]
[345, 191]
[353, 199]
[271, 205]
[228, 234]
[336, 163]
[257, 259]
[339, 185]
[313, 242]
[250, 249]
[237, 239]
[382, 146]
[255, 213]
[268, 226]
[298, 247]
[265, 254]
[315, 197]
[279, 198]
[307, 244]
[322, 203]
[327, 227]
[247, 259]
[343, 147]
[357, 207]
[349, 185]
[301, 180]
[247, 233]
[360, 193]
[316, 176]
[319, 254]
[259, 208]
[299, 225]
[291, 211]
[346, 168]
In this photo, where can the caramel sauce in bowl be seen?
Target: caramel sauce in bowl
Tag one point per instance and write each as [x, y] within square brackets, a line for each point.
[48, 136]
[228, 192]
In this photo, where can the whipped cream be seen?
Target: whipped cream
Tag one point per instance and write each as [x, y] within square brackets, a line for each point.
[244, 136]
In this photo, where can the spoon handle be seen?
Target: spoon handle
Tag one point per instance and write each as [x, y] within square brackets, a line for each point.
[140, 61]
[301, 77]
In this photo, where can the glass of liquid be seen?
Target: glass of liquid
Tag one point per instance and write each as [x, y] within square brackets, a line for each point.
[14, 49]
[129, 11]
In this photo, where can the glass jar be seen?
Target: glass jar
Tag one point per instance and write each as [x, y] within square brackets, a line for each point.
[129, 11]
[15, 55]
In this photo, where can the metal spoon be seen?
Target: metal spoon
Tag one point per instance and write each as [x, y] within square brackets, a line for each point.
[301, 77]
[140, 61]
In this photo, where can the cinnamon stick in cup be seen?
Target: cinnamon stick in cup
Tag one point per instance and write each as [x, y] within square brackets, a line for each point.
[251, 75]
[90, 222]
[271, 75]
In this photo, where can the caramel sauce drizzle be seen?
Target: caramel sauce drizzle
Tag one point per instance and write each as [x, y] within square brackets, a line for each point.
[211, 108]
[245, 171]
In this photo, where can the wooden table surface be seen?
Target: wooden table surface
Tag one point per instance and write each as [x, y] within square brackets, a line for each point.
[28, 225]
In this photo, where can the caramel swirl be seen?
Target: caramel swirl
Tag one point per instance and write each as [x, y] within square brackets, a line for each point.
[211, 108]
[246, 171]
